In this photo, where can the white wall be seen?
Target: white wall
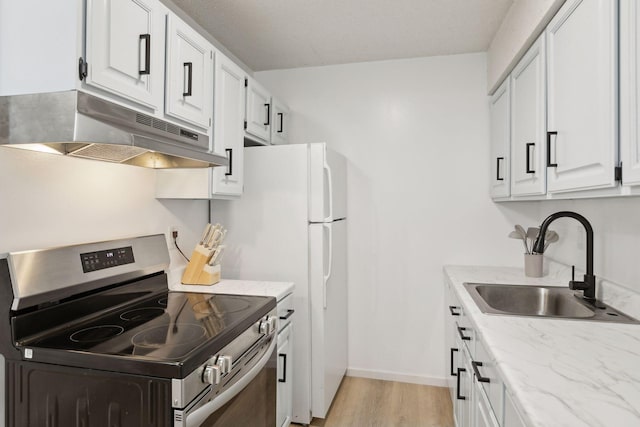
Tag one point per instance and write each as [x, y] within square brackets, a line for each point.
[49, 200]
[416, 135]
[616, 227]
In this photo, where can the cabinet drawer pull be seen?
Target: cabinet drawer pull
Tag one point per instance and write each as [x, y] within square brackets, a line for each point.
[189, 75]
[453, 374]
[281, 115]
[458, 395]
[284, 369]
[230, 157]
[498, 178]
[289, 314]
[147, 54]
[454, 313]
[462, 335]
[549, 164]
[529, 146]
[268, 114]
[479, 377]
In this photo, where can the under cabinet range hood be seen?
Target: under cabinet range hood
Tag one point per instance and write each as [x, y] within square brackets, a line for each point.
[77, 124]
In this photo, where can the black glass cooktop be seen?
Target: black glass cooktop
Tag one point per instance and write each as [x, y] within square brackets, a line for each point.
[136, 328]
[167, 327]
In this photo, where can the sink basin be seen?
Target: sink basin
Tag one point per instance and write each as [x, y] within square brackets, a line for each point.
[541, 301]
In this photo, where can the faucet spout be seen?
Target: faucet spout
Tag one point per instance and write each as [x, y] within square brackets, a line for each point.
[589, 283]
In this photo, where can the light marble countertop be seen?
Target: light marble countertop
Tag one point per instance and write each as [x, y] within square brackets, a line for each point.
[559, 372]
[279, 290]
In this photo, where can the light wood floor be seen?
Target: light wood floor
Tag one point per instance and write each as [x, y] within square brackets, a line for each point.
[362, 402]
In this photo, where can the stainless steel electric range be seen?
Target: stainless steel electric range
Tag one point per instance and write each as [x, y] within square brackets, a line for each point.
[91, 336]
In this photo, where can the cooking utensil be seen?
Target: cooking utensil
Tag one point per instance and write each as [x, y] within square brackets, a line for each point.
[522, 235]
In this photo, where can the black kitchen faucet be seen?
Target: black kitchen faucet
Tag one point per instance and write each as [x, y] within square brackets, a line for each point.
[588, 285]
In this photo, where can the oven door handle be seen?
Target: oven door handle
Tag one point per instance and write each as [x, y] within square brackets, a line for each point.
[198, 416]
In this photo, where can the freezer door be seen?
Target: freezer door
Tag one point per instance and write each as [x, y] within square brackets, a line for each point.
[328, 292]
[327, 184]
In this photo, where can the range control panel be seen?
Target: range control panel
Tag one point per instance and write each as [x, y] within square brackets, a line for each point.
[93, 261]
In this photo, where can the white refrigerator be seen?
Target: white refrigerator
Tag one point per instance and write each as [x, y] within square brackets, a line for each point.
[290, 225]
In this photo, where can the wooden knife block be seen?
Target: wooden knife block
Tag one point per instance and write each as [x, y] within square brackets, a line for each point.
[198, 272]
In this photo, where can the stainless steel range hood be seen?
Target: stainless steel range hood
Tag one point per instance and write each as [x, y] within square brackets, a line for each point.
[77, 124]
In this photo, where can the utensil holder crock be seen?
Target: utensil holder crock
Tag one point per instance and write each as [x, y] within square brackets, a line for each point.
[533, 265]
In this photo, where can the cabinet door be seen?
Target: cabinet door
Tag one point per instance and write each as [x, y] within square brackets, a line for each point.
[189, 89]
[228, 126]
[463, 405]
[500, 141]
[528, 122]
[512, 417]
[258, 114]
[629, 92]
[483, 415]
[125, 46]
[279, 122]
[582, 96]
[285, 389]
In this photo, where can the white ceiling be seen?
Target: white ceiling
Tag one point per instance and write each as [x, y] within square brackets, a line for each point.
[276, 34]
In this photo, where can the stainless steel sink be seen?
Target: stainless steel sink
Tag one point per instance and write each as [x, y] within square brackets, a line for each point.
[541, 301]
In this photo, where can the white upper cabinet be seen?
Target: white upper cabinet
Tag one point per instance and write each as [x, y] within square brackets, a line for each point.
[228, 126]
[500, 113]
[258, 115]
[582, 96]
[629, 92]
[125, 45]
[189, 83]
[528, 120]
[279, 122]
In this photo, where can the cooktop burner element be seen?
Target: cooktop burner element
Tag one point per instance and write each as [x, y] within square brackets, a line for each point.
[161, 336]
[96, 333]
[142, 313]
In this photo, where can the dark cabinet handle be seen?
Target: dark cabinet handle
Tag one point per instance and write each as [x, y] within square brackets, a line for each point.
[453, 374]
[529, 146]
[268, 114]
[454, 313]
[230, 157]
[462, 335]
[281, 115]
[189, 74]
[549, 164]
[147, 54]
[458, 395]
[286, 316]
[284, 369]
[479, 377]
[498, 168]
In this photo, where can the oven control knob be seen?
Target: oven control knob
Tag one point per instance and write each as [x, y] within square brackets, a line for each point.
[224, 364]
[211, 375]
[270, 324]
[265, 327]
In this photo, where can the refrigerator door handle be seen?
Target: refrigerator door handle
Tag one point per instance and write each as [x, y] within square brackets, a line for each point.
[330, 180]
[328, 275]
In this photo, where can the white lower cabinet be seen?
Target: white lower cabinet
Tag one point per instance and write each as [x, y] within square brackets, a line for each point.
[512, 417]
[477, 392]
[285, 390]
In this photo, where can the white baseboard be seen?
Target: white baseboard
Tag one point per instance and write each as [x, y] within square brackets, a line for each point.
[396, 376]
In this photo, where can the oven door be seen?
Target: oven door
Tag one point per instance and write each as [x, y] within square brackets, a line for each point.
[248, 400]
